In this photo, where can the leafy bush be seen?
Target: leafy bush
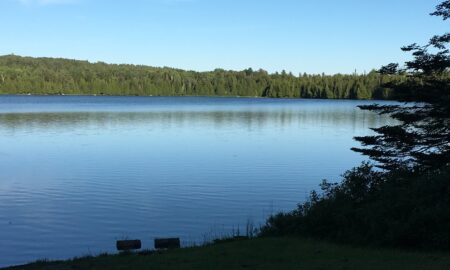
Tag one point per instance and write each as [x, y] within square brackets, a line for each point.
[371, 207]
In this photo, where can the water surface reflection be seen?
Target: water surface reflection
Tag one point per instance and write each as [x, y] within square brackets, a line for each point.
[79, 172]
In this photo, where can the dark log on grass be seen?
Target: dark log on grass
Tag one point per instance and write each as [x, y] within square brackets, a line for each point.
[167, 243]
[125, 245]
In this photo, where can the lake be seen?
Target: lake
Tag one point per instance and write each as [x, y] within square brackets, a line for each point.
[79, 172]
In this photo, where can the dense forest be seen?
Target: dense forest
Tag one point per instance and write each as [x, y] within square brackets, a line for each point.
[27, 75]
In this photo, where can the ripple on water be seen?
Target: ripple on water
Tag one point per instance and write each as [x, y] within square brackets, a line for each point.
[78, 173]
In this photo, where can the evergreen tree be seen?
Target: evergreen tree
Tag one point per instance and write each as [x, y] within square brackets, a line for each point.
[422, 140]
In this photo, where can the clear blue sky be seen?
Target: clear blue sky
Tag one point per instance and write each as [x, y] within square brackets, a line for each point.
[314, 36]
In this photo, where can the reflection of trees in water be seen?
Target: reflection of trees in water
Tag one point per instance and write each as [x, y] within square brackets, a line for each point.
[251, 119]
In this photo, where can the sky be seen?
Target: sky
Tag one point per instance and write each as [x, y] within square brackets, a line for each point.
[312, 36]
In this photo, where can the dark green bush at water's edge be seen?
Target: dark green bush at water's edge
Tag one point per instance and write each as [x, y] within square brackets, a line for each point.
[375, 208]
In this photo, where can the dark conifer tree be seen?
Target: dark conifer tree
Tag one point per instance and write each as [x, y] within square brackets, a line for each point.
[422, 139]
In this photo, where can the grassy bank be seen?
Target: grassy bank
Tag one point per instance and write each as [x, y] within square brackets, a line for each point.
[262, 253]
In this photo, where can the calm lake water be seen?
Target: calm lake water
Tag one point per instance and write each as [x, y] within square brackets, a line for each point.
[77, 173]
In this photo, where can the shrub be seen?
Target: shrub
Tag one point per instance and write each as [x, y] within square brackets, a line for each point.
[398, 208]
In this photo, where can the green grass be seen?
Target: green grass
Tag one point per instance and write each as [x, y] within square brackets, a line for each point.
[261, 253]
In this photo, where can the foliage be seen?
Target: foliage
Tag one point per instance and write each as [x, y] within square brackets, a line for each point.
[443, 10]
[406, 204]
[422, 140]
[375, 208]
[23, 75]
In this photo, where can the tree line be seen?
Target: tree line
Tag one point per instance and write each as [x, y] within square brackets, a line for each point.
[28, 75]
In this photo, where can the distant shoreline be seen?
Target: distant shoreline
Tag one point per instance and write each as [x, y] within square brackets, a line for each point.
[190, 96]
[56, 76]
